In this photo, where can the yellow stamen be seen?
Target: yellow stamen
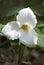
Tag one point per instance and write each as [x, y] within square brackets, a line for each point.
[24, 26]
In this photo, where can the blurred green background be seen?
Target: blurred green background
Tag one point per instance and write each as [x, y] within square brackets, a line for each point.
[9, 9]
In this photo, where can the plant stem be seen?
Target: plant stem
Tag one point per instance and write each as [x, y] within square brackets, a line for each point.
[21, 51]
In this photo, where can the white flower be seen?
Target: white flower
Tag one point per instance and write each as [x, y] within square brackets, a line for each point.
[23, 28]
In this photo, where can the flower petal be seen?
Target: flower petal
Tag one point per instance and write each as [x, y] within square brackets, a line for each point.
[26, 15]
[10, 26]
[11, 30]
[12, 35]
[35, 37]
[28, 38]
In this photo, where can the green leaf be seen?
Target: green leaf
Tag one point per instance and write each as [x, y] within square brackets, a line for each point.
[1, 26]
[40, 25]
[40, 40]
[37, 30]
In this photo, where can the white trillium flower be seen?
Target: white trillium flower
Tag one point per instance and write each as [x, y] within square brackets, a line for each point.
[23, 28]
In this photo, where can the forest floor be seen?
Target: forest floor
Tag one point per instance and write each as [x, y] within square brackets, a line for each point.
[32, 56]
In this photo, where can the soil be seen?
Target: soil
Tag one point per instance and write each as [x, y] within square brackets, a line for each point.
[31, 56]
[7, 55]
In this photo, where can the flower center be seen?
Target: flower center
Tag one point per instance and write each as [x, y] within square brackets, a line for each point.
[24, 26]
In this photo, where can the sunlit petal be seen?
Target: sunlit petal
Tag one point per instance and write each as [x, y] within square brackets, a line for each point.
[28, 38]
[35, 37]
[10, 26]
[26, 15]
[12, 35]
[11, 30]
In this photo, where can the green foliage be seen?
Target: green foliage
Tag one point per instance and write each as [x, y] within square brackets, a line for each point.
[1, 26]
[15, 45]
[40, 40]
[40, 25]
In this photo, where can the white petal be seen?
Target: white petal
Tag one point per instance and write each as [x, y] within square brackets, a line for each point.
[28, 38]
[11, 30]
[27, 15]
[10, 26]
[35, 37]
[12, 35]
